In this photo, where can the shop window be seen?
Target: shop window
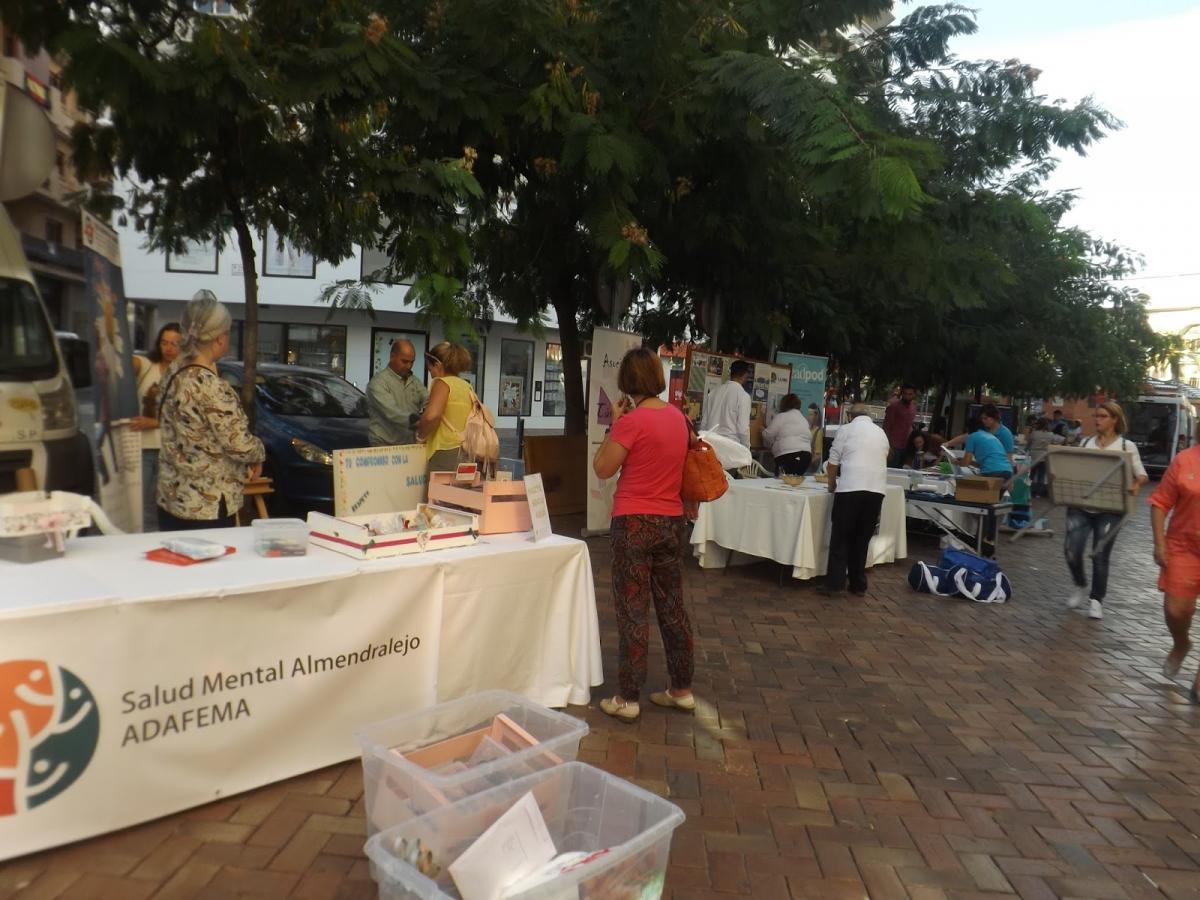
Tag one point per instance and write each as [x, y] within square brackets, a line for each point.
[270, 341]
[555, 397]
[54, 232]
[476, 347]
[516, 377]
[319, 346]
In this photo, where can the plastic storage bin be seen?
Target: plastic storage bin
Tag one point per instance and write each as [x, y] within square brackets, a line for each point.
[280, 537]
[585, 809]
[457, 750]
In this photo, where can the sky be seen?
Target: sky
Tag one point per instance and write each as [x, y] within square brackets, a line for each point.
[1139, 186]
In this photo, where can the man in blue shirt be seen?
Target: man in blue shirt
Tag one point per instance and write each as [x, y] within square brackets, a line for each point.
[990, 416]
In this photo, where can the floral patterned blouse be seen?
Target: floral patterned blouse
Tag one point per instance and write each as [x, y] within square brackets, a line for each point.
[207, 447]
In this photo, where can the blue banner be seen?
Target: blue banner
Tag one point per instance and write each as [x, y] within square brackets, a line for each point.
[808, 377]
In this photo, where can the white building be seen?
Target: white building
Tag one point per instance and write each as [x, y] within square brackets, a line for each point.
[520, 373]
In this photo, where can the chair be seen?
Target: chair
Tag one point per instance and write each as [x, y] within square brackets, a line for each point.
[1091, 479]
[258, 488]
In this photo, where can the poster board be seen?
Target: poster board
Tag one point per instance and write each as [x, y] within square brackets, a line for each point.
[608, 349]
[118, 448]
[769, 383]
[808, 377]
[378, 479]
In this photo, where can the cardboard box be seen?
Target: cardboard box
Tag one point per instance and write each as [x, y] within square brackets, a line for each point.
[977, 489]
[501, 505]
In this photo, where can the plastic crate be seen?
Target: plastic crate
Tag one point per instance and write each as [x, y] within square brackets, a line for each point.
[397, 788]
[585, 809]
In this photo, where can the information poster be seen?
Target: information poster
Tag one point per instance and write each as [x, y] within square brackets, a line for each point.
[608, 349]
[769, 383]
[378, 479]
[118, 449]
[808, 377]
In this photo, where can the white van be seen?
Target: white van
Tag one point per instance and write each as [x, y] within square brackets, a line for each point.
[39, 427]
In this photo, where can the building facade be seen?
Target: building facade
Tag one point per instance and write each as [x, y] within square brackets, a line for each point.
[518, 374]
[48, 219]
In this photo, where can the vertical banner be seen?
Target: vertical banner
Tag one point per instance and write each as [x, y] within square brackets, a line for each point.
[608, 349]
[808, 377]
[118, 448]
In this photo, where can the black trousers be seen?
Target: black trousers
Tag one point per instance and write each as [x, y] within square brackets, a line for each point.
[855, 515]
[794, 463]
[169, 522]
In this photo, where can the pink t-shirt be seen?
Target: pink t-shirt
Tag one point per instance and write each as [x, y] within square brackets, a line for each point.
[652, 474]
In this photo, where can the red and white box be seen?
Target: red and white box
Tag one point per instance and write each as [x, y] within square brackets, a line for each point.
[377, 537]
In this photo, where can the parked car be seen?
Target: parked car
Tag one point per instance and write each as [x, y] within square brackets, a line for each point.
[304, 414]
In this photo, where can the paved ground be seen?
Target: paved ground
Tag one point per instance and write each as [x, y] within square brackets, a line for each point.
[897, 746]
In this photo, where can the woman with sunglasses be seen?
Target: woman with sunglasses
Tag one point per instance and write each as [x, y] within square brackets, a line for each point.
[441, 424]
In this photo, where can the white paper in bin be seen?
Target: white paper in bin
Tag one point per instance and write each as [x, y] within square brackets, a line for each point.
[585, 809]
[397, 789]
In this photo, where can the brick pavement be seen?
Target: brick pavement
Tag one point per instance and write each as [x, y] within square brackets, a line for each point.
[897, 746]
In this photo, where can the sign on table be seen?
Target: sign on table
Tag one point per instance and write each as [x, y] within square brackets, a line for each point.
[378, 479]
[539, 510]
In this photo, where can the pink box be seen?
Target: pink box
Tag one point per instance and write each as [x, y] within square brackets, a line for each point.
[500, 505]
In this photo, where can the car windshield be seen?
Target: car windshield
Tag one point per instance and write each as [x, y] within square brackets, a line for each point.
[312, 394]
[26, 341]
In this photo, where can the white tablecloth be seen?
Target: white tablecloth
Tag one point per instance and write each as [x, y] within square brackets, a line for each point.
[762, 517]
[170, 686]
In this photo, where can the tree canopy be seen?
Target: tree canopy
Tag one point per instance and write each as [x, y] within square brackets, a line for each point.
[758, 172]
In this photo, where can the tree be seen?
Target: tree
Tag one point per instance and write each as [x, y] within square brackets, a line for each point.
[270, 118]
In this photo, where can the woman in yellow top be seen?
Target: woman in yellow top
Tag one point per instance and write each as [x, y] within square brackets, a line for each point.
[441, 425]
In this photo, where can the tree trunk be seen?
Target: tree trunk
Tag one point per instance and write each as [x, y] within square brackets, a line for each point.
[567, 309]
[250, 325]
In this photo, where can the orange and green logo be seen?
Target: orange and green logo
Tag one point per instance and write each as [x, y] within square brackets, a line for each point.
[49, 726]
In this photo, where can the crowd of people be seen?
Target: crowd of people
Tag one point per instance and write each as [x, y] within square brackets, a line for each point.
[199, 447]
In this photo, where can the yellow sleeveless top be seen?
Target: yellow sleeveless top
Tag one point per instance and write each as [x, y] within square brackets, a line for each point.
[458, 407]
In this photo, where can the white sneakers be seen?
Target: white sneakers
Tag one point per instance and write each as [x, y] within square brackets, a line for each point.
[1076, 597]
[1079, 596]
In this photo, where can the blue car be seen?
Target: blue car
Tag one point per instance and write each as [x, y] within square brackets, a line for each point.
[304, 414]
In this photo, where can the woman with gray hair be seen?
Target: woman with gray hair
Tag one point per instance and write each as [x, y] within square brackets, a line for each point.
[207, 450]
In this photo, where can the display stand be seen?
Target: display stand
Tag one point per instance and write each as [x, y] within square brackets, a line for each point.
[938, 510]
[1091, 479]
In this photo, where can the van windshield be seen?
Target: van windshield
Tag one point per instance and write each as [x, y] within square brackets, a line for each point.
[26, 341]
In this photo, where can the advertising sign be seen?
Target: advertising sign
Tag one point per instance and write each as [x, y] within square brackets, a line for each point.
[197, 698]
[808, 377]
[608, 349]
[378, 479]
[118, 448]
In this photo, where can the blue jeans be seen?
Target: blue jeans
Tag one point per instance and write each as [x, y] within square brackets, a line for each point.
[1080, 525]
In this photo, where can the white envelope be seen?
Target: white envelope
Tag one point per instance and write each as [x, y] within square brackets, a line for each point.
[513, 847]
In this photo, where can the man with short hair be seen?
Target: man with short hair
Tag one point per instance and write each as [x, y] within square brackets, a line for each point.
[727, 409]
[857, 478]
[898, 423]
[1058, 424]
[395, 398]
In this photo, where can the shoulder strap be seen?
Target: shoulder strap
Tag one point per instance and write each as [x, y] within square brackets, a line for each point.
[171, 381]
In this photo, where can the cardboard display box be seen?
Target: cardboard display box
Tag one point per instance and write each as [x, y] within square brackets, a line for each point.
[977, 489]
[501, 505]
[352, 535]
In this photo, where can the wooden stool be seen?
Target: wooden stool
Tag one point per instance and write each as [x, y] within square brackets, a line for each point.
[256, 488]
[26, 479]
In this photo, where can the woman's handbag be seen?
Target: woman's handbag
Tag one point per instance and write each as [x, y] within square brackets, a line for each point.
[703, 478]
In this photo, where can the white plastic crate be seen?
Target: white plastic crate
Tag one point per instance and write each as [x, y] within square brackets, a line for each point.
[585, 810]
[402, 780]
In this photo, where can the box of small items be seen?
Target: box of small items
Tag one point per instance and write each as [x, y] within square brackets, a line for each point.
[501, 505]
[394, 534]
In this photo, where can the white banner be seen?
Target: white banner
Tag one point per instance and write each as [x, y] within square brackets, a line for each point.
[608, 349]
[378, 479]
[118, 714]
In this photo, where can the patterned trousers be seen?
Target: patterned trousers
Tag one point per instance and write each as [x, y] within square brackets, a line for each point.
[647, 566]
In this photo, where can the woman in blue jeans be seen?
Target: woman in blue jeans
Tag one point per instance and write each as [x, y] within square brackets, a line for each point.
[1084, 523]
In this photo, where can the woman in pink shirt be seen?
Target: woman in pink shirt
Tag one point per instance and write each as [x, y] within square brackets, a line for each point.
[647, 443]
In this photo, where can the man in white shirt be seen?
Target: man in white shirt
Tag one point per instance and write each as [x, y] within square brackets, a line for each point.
[857, 476]
[727, 409]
